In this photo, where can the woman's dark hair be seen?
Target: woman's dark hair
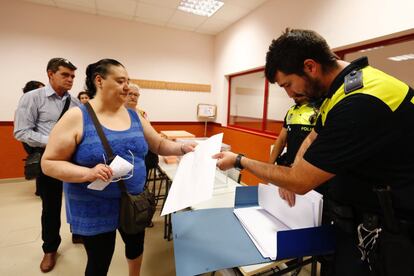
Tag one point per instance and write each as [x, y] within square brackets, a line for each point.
[32, 85]
[292, 48]
[84, 93]
[100, 68]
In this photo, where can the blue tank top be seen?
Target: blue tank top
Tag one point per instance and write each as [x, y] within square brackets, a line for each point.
[93, 212]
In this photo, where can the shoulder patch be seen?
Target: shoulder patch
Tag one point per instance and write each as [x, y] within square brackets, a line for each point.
[353, 81]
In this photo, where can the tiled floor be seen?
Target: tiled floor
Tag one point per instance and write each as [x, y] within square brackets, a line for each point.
[20, 240]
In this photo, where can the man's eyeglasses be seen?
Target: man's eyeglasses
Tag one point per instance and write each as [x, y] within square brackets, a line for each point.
[132, 94]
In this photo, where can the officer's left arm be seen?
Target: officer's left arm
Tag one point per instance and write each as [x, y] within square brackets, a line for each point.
[300, 179]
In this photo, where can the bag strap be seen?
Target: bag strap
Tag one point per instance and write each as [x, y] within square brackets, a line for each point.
[66, 107]
[104, 141]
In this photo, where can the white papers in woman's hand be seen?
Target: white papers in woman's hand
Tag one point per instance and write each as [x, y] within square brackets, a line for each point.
[119, 166]
[194, 180]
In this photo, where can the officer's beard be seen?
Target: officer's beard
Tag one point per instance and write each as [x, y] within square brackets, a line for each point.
[314, 88]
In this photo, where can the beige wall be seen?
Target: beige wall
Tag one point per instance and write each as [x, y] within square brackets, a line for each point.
[244, 45]
[31, 34]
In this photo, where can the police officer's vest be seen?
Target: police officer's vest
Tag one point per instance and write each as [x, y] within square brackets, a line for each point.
[375, 83]
[369, 81]
[300, 120]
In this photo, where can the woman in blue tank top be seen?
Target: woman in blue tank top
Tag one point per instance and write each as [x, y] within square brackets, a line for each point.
[75, 155]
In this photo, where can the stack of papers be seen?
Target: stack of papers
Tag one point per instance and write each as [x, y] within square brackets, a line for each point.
[274, 214]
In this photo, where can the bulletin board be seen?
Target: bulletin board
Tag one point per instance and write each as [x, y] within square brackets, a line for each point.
[206, 111]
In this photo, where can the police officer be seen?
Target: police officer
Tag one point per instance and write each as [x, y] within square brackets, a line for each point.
[363, 136]
[298, 123]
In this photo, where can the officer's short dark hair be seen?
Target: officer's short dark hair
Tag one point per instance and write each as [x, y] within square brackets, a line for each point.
[292, 48]
[54, 63]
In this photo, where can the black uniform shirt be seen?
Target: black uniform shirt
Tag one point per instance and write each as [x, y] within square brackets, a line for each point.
[363, 142]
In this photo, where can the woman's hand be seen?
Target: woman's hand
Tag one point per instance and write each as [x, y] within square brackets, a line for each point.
[100, 171]
[188, 147]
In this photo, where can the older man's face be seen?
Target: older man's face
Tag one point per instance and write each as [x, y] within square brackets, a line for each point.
[132, 98]
[62, 79]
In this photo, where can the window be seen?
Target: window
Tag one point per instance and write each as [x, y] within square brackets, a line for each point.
[256, 105]
[395, 55]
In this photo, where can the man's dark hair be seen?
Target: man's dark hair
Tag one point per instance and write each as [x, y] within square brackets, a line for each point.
[54, 63]
[100, 68]
[292, 48]
[32, 85]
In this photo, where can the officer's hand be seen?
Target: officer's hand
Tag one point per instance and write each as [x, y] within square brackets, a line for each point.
[288, 196]
[226, 160]
[100, 171]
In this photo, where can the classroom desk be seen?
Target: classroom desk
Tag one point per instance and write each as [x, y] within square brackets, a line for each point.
[175, 134]
[223, 197]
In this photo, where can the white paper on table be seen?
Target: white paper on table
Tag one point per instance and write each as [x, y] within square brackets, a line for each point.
[194, 179]
[273, 214]
[119, 166]
[261, 226]
[301, 215]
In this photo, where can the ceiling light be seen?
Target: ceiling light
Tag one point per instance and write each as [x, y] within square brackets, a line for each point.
[402, 57]
[200, 7]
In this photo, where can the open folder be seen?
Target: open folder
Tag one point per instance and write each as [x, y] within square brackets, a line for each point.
[212, 239]
[273, 214]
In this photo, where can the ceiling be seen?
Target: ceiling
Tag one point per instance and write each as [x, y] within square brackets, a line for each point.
[160, 12]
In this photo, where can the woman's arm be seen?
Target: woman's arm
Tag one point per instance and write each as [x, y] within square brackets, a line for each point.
[63, 140]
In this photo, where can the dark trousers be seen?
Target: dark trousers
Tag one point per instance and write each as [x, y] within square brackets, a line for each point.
[346, 261]
[51, 195]
[100, 249]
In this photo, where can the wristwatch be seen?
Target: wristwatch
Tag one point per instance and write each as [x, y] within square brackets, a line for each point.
[237, 163]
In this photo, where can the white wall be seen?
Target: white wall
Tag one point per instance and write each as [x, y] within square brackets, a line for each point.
[244, 45]
[32, 34]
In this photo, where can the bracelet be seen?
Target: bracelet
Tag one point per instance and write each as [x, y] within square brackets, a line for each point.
[237, 163]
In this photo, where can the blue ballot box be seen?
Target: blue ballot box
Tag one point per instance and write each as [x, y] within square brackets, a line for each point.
[212, 239]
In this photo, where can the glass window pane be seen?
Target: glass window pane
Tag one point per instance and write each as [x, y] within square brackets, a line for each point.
[393, 59]
[277, 105]
[246, 100]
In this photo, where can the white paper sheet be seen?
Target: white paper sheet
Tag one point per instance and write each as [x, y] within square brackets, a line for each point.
[119, 166]
[301, 215]
[194, 179]
[261, 227]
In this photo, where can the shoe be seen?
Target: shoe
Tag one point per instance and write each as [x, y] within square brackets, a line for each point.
[48, 262]
[76, 239]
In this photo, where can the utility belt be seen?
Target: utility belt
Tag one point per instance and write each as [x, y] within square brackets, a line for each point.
[386, 243]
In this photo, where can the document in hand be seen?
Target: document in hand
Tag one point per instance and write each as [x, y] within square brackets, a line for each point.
[273, 214]
[194, 179]
[119, 166]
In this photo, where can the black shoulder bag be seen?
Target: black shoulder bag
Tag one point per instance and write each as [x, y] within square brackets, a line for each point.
[32, 162]
[136, 211]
